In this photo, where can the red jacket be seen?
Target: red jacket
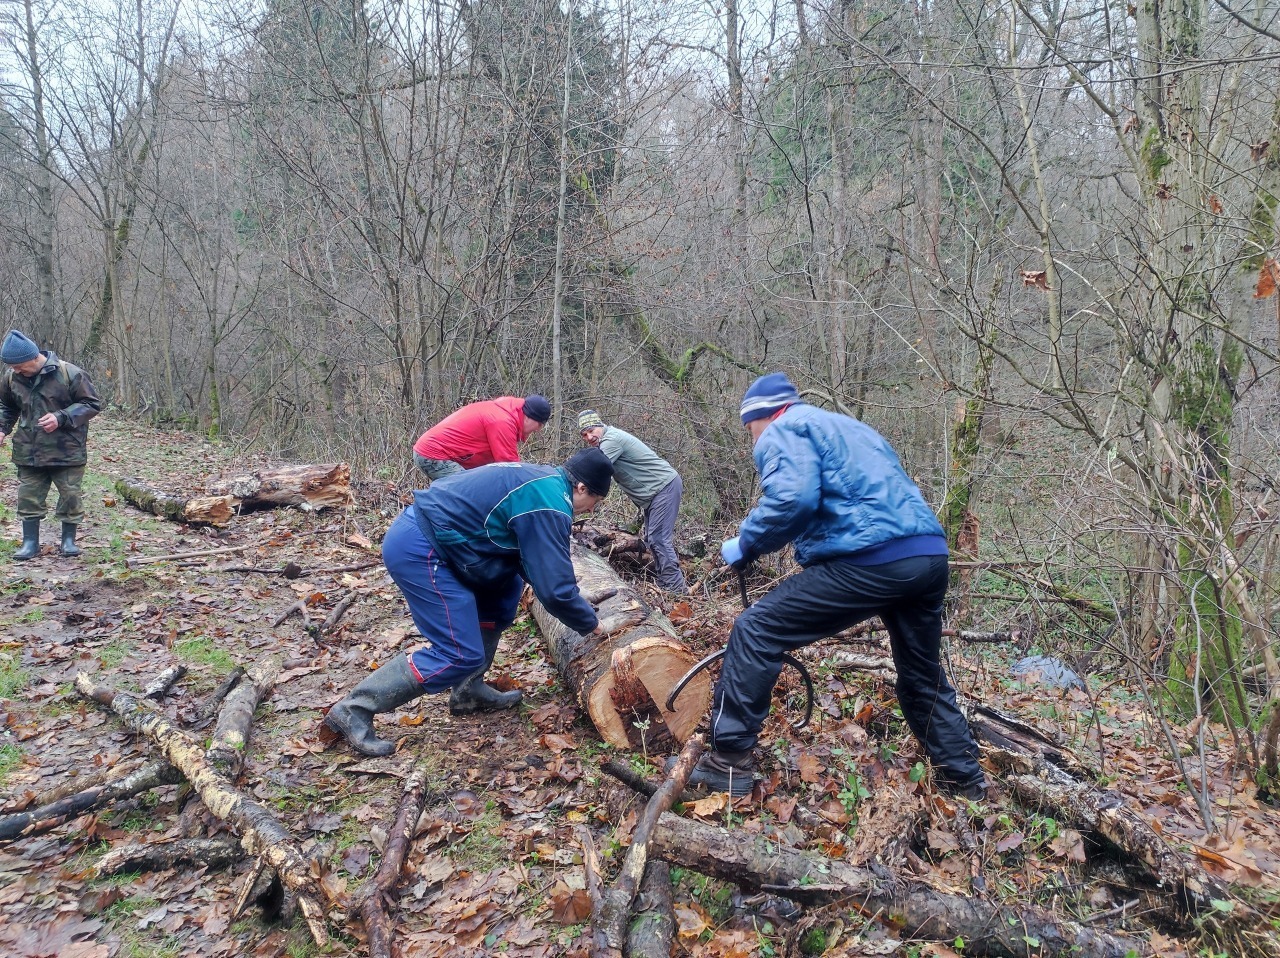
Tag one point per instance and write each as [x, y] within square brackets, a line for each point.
[476, 435]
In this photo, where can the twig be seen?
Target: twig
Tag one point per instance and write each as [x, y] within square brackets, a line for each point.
[299, 607]
[338, 612]
[136, 561]
[293, 571]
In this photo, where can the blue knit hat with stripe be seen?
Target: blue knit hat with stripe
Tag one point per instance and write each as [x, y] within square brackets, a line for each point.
[766, 396]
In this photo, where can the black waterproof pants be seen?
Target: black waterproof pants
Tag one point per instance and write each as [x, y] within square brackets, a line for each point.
[825, 599]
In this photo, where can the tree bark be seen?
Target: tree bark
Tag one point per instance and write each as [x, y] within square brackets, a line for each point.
[652, 932]
[913, 908]
[157, 856]
[622, 681]
[47, 817]
[196, 511]
[309, 487]
[235, 719]
[375, 895]
[260, 834]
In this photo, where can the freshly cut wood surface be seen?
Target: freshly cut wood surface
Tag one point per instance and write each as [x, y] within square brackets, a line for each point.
[318, 486]
[622, 681]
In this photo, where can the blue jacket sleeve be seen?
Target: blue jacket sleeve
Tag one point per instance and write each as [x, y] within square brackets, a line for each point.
[544, 555]
[790, 471]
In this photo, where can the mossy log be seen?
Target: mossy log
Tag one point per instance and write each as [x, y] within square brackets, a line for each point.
[195, 511]
[309, 487]
[622, 681]
[235, 718]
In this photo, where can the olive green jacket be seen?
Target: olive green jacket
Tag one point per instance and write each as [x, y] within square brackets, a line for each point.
[57, 387]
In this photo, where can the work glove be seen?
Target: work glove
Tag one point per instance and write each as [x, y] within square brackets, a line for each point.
[731, 552]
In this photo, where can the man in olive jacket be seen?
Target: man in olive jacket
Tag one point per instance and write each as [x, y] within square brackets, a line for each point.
[45, 404]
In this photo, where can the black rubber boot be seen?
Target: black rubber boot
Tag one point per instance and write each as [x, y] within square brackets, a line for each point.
[69, 547]
[383, 691]
[473, 694]
[731, 772]
[30, 540]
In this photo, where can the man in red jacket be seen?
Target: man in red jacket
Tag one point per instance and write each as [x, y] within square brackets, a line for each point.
[480, 433]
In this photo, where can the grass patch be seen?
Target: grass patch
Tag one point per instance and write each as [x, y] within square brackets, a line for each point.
[113, 653]
[483, 849]
[13, 677]
[10, 758]
[203, 651]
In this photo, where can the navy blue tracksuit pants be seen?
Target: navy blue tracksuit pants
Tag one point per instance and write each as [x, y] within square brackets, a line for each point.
[827, 598]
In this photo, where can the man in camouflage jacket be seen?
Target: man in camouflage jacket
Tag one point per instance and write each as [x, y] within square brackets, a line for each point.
[45, 404]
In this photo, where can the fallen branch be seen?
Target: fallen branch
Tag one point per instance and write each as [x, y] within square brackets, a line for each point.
[299, 607]
[231, 735]
[613, 909]
[45, 818]
[220, 693]
[163, 682]
[260, 834]
[292, 571]
[379, 892]
[136, 561]
[334, 617]
[913, 908]
[156, 856]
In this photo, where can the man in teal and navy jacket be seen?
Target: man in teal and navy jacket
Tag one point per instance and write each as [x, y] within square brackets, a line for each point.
[461, 555]
[868, 544]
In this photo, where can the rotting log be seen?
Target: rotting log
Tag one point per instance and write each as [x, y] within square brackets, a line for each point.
[193, 510]
[374, 896]
[622, 680]
[914, 909]
[212, 853]
[165, 681]
[231, 735]
[261, 835]
[1040, 785]
[309, 487]
[47, 817]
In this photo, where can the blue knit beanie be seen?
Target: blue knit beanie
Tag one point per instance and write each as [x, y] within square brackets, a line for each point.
[766, 396]
[17, 349]
[537, 408]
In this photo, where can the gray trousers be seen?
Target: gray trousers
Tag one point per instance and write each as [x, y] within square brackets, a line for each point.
[659, 535]
[435, 468]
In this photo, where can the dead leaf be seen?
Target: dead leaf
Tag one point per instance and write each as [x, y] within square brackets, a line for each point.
[362, 541]
[942, 841]
[1258, 150]
[810, 768]
[1036, 278]
[680, 612]
[570, 907]
[1267, 279]
[1069, 845]
[1010, 841]
[558, 743]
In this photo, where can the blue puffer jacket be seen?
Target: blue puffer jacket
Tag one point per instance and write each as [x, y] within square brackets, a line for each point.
[835, 487]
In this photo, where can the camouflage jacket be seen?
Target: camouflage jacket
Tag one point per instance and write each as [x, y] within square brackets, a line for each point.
[58, 387]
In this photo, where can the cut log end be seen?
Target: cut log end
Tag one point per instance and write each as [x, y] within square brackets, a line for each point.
[659, 662]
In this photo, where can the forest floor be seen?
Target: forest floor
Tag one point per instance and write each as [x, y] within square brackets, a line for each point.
[497, 868]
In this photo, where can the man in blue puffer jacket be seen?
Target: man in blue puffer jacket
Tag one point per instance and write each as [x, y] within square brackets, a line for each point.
[868, 544]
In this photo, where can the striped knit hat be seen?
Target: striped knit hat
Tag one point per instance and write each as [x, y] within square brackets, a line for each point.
[766, 396]
[589, 419]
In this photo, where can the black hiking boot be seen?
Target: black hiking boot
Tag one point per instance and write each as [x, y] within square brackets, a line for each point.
[731, 772]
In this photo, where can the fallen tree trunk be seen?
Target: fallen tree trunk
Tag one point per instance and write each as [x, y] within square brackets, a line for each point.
[260, 834]
[48, 817]
[622, 681]
[914, 909]
[309, 487]
[375, 895]
[195, 511]
[231, 735]
[1039, 784]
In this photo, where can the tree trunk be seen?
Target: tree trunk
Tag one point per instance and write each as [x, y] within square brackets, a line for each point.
[622, 681]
